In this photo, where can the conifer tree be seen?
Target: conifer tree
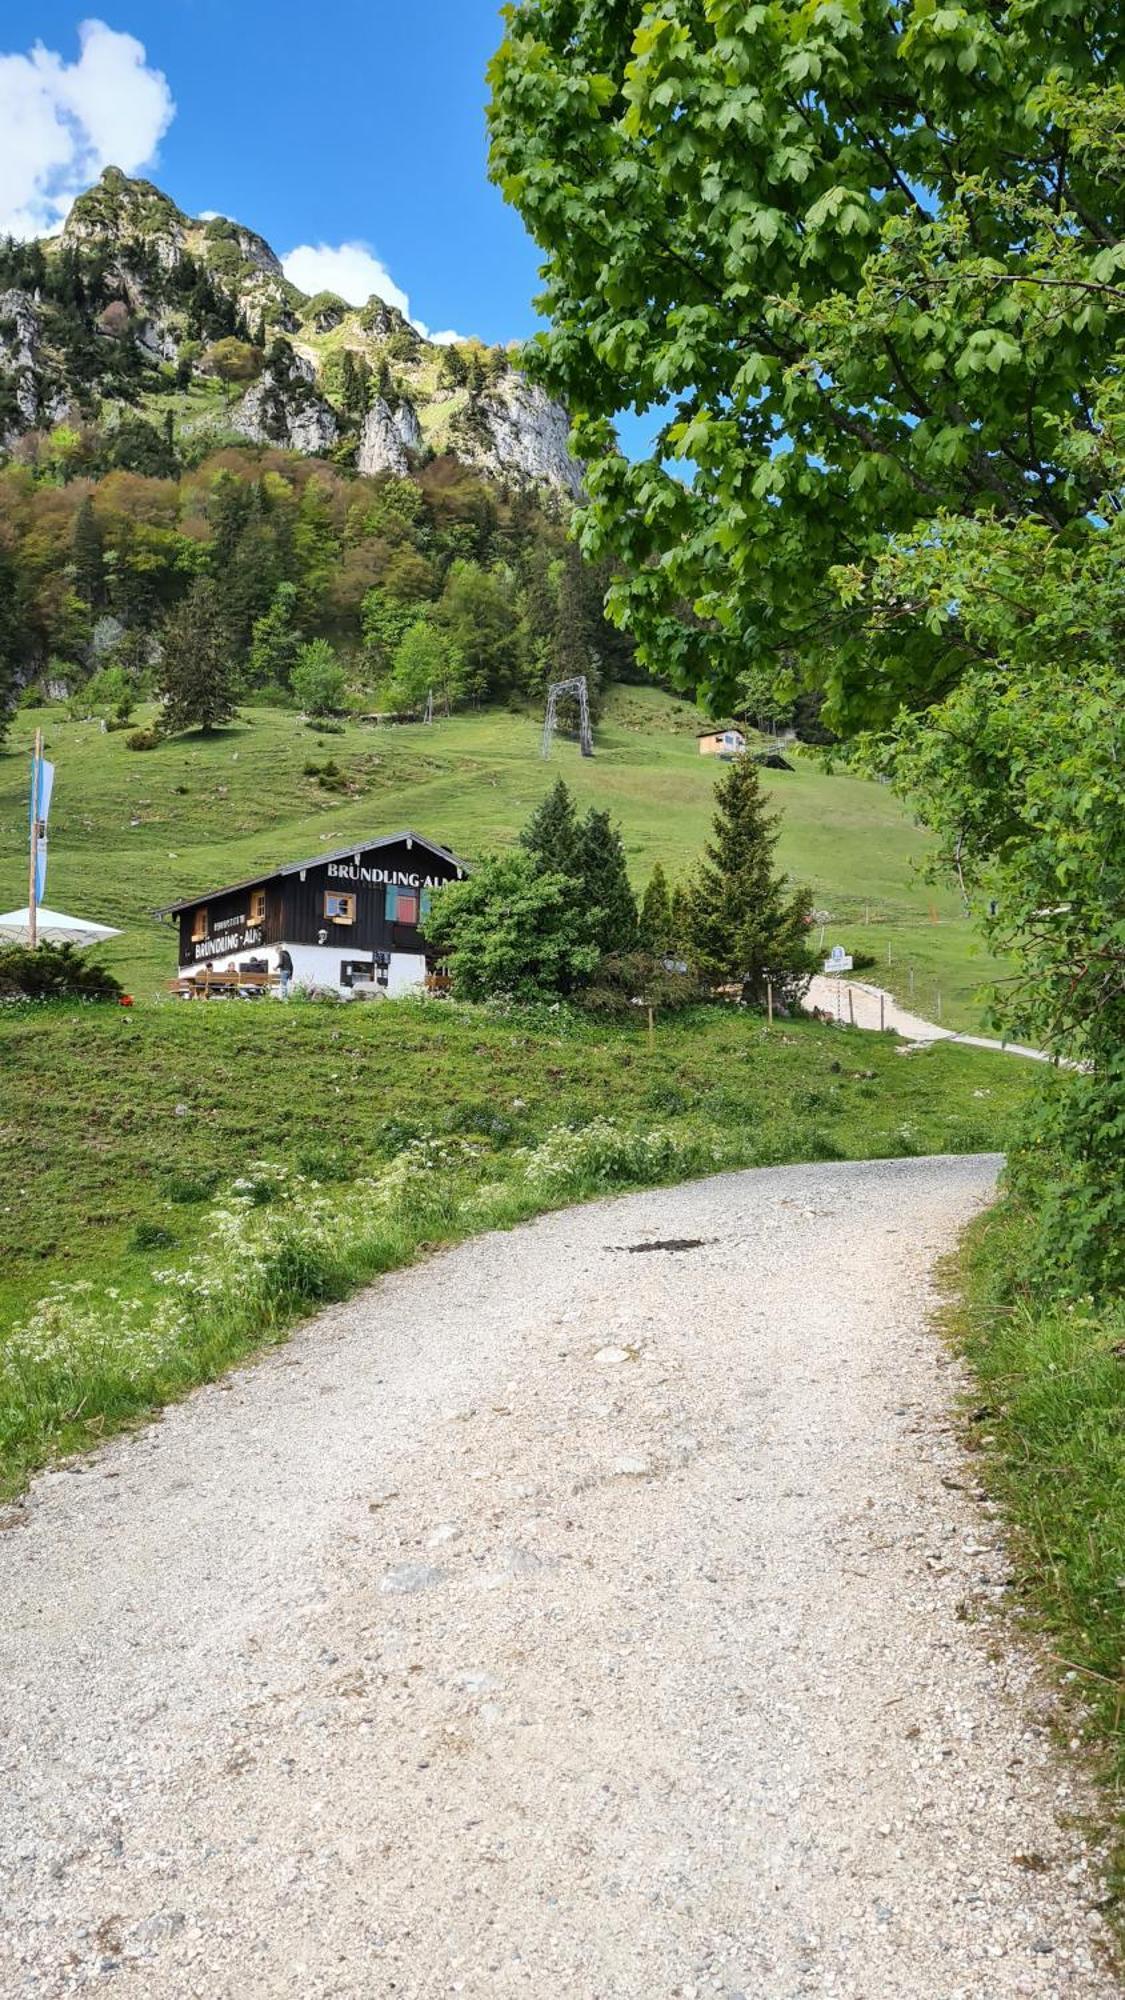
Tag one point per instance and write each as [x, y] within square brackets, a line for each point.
[744, 924]
[680, 905]
[87, 556]
[196, 682]
[275, 642]
[606, 901]
[551, 835]
[656, 915]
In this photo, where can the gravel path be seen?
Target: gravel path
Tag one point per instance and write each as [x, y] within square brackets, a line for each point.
[567, 1617]
[866, 1006]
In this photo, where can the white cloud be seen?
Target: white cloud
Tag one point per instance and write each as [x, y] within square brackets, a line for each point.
[61, 123]
[354, 273]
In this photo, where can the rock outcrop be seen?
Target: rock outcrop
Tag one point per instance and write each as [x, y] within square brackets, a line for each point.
[282, 409]
[388, 437]
[132, 267]
[36, 397]
[516, 432]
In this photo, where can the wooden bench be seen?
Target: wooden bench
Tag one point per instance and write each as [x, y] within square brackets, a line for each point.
[219, 985]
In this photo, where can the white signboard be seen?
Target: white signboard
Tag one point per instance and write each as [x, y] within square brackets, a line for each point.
[838, 960]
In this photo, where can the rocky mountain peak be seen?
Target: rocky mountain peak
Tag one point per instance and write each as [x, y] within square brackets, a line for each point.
[136, 298]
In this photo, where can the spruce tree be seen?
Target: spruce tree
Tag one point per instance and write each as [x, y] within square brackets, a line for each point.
[606, 900]
[87, 557]
[275, 642]
[551, 835]
[681, 918]
[197, 681]
[744, 925]
[656, 915]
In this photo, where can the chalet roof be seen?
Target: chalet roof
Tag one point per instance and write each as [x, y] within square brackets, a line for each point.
[721, 729]
[347, 853]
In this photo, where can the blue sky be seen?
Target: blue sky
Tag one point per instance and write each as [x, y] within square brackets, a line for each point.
[355, 122]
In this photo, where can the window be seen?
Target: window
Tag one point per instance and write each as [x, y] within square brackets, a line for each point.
[257, 912]
[401, 905]
[339, 909]
[199, 926]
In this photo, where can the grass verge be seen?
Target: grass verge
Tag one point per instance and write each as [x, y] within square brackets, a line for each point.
[1049, 1428]
[200, 1176]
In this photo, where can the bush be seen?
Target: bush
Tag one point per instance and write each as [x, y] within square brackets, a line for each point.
[621, 981]
[143, 739]
[1066, 1171]
[53, 972]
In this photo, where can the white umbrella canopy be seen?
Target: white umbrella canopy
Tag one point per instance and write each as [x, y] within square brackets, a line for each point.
[52, 927]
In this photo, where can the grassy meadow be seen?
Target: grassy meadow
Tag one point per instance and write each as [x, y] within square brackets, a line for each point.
[133, 830]
[202, 1174]
[178, 1182]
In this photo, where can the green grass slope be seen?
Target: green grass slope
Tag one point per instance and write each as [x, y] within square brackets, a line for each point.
[133, 830]
[200, 1175]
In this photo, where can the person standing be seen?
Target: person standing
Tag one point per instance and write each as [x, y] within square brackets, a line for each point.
[284, 972]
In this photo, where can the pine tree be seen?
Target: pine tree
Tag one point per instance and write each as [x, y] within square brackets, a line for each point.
[607, 902]
[656, 915]
[552, 833]
[743, 924]
[87, 559]
[196, 681]
[348, 382]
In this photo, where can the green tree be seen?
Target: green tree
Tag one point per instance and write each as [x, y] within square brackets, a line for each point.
[452, 369]
[235, 361]
[386, 621]
[318, 679]
[510, 928]
[655, 923]
[552, 834]
[863, 265]
[1019, 772]
[88, 557]
[745, 925]
[605, 900]
[196, 680]
[111, 693]
[275, 642]
[424, 664]
[478, 610]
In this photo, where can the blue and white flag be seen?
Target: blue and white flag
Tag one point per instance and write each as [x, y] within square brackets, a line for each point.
[42, 785]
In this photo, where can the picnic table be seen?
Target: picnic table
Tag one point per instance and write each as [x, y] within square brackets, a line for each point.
[224, 984]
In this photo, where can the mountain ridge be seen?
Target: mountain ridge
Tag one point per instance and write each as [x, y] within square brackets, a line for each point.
[137, 307]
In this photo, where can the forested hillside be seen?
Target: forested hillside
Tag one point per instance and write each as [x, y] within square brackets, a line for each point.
[279, 552]
[211, 482]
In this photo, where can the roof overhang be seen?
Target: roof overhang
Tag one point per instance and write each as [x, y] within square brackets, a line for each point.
[407, 838]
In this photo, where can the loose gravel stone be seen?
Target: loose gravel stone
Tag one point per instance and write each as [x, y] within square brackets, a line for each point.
[713, 1692]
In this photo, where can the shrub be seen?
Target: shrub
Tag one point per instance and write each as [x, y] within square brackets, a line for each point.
[53, 972]
[625, 978]
[151, 1236]
[143, 739]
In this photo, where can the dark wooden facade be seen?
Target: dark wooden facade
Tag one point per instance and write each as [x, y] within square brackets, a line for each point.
[358, 901]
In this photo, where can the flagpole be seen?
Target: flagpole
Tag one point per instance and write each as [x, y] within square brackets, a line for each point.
[36, 780]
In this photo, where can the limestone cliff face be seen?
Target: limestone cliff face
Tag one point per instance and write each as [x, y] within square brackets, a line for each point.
[358, 381]
[283, 409]
[35, 398]
[518, 434]
[388, 437]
